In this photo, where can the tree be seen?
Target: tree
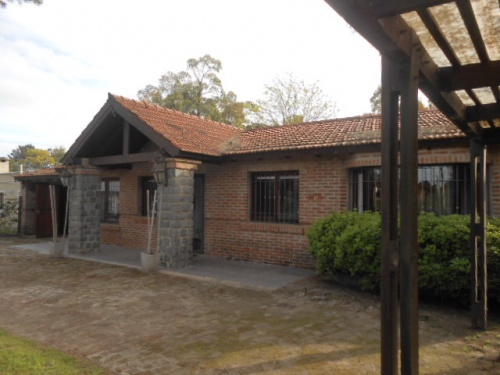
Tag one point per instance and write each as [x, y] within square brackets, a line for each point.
[376, 102]
[197, 91]
[3, 3]
[57, 152]
[17, 155]
[38, 159]
[33, 158]
[291, 101]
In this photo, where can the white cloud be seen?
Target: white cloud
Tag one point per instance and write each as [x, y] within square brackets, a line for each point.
[59, 60]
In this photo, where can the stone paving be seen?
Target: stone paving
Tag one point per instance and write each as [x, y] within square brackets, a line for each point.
[131, 323]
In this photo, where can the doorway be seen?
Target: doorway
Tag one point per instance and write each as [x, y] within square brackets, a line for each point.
[199, 214]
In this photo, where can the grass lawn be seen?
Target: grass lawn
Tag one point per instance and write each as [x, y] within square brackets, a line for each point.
[23, 357]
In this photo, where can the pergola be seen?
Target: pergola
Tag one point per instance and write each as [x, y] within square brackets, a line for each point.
[450, 50]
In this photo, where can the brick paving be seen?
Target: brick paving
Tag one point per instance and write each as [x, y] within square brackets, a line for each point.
[131, 323]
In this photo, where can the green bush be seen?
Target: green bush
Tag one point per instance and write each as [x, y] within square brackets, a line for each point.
[349, 244]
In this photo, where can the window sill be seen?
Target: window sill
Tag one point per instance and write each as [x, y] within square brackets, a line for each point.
[272, 227]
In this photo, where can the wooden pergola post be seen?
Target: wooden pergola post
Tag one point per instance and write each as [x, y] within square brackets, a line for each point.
[479, 276]
[399, 252]
[389, 212]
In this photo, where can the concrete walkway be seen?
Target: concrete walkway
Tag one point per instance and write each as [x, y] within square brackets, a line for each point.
[236, 273]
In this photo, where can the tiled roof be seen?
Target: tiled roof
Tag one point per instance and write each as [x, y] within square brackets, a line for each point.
[186, 132]
[352, 131]
[48, 172]
[201, 136]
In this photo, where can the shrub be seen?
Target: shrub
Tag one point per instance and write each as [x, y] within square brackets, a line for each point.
[8, 217]
[349, 244]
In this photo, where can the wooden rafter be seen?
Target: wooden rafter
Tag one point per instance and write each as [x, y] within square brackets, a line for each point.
[389, 8]
[469, 76]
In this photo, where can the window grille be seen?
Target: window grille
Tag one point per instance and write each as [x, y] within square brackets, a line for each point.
[442, 189]
[275, 197]
[110, 200]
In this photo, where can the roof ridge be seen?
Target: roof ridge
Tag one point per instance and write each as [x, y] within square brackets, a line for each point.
[148, 104]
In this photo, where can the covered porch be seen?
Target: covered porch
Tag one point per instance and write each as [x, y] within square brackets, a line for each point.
[204, 268]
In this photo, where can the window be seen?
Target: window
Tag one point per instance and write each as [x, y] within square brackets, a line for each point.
[148, 189]
[442, 189]
[275, 197]
[110, 200]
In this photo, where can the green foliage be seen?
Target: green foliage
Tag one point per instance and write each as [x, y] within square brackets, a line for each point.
[9, 217]
[33, 158]
[349, 244]
[18, 356]
[197, 91]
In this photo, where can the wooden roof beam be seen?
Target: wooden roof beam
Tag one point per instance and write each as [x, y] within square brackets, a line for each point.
[467, 13]
[357, 14]
[389, 8]
[469, 76]
[432, 25]
[483, 112]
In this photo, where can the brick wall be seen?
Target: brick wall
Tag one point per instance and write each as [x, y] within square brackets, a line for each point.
[131, 231]
[230, 234]
[228, 231]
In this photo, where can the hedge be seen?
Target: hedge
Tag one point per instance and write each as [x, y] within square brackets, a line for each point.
[348, 244]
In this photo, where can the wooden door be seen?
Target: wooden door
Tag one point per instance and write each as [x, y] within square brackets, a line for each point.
[43, 220]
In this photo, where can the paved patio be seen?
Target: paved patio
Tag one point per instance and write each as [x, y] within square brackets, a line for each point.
[137, 324]
[247, 274]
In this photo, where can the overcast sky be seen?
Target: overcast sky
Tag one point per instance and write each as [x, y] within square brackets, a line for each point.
[59, 60]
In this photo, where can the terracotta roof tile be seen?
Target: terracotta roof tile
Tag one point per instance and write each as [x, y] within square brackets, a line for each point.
[197, 135]
[350, 131]
[186, 132]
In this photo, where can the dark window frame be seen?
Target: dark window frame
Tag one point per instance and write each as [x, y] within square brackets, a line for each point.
[110, 196]
[274, 197]
[443, 188]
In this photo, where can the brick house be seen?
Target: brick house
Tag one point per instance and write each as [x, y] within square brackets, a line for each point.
[241, 194]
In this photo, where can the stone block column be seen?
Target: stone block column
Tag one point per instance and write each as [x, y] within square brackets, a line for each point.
[176, 215]
[84, 207]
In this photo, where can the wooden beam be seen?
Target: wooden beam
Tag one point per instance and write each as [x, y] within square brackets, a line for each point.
[357, 14]
[467, 13]
[126, 137]
[389, 278]
[408, 204]
[123, 159]
[483, 112]
[140, 125]
[389, 8]
[438, 35]
[469, 76]
[394, 39]
[479, 276]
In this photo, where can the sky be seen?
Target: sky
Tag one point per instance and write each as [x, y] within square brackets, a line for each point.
[58, 61]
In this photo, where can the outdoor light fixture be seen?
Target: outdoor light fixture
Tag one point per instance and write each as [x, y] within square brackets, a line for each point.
[159, 173]
[65, 177]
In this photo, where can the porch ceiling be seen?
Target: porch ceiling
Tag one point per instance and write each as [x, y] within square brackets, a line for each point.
[459, 52]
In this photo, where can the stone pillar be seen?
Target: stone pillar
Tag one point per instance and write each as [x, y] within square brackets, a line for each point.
[84, 207]
[176, 214]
